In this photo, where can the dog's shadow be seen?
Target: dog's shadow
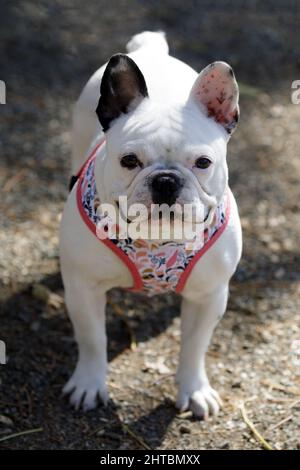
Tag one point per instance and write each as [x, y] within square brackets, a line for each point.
[42, 354]
[129, 317]
[31, 330]
[148, 431]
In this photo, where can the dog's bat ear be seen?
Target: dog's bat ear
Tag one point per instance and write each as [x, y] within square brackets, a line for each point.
[122, 89]
[217, 93]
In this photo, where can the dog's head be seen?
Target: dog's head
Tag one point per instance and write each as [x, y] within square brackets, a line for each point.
[166, 153]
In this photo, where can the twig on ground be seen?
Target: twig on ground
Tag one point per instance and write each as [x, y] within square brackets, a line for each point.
[294, 403]
[95, 431]
[120, 313]
[253, 398]
[251, 426]
[274, 283]
[11, 182]
[44, 294]
[281, 388]
[7, 403]
[277, 425]
[138, 439]
[162, 379]
[22, 433]
[281, 400]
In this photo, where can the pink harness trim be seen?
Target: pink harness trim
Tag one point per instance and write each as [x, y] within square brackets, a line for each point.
[139, 283]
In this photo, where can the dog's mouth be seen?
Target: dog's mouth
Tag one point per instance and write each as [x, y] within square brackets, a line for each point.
[158, 215]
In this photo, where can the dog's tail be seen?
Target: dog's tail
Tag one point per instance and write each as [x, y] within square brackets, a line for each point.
[155, 40]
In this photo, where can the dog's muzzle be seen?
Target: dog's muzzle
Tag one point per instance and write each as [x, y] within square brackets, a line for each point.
[165, 188]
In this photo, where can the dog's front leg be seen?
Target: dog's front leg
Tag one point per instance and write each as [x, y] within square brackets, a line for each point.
[86, 307]
[198, 321]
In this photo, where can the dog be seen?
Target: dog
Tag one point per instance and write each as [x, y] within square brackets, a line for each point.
[152, 130]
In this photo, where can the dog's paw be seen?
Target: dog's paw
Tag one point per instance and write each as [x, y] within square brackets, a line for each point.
[202, 402]
[86, 390]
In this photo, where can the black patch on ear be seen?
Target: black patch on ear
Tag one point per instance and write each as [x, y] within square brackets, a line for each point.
[121, 84]
[73, 180]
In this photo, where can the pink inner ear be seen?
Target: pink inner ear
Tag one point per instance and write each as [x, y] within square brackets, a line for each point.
[216, 92]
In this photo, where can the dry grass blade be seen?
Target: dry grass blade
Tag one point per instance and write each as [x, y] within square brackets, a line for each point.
[277, 425]
[251, 426]
[22, 433]
[137, 438]
[161, 379]
[11, 183]
[255, 285]
[294, 403]
[281, 388]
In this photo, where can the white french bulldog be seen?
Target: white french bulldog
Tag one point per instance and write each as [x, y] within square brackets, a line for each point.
[158, 134]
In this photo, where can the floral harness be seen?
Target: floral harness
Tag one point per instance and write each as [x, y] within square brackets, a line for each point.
[156, 267]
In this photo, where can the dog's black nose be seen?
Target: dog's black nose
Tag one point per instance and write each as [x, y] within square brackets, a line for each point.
[165, 188]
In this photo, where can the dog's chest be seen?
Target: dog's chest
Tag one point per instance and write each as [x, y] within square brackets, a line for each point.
[156, 267]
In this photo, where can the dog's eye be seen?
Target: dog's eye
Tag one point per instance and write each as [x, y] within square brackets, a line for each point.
[202, 162]
[130, 161]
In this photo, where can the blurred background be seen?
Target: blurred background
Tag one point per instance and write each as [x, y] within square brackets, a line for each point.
[48, 50]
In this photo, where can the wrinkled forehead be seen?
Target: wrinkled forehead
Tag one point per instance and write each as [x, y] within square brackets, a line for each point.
[166, 129]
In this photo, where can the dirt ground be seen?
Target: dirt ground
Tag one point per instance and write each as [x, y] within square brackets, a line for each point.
[47, 52]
